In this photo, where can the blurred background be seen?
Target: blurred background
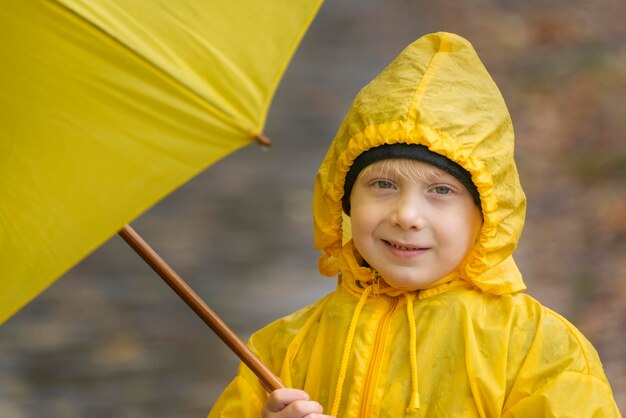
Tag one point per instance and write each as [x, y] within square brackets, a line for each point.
[111, 339]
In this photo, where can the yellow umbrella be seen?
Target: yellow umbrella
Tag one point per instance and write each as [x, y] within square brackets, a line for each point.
[108, 106]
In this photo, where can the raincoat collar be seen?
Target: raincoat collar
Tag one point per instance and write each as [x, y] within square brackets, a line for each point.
[436, 93]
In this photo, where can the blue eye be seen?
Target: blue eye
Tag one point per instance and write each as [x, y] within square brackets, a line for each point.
[383, 184]
[442, 190]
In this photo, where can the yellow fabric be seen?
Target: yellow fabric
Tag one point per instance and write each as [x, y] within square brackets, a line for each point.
[479, 347]
[108, 106]
[414, 403]
[343, 364]
[478, 355]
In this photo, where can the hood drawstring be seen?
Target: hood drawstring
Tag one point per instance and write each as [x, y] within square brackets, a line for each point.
[414, 402]
[346, 351]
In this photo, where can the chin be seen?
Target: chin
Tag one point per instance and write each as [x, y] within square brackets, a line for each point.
[408, 285]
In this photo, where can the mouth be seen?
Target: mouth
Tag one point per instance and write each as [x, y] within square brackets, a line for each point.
[403, 247]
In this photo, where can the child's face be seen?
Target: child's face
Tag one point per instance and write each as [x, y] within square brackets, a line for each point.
[414, 225]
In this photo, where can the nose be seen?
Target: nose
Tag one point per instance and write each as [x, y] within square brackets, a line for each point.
[408, 213]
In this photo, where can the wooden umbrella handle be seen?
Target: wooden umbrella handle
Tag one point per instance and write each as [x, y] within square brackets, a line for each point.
[269, 381]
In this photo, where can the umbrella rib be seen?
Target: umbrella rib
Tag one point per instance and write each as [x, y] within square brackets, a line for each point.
[257, 136]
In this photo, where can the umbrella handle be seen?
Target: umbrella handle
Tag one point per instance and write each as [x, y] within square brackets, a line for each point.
[269, 381]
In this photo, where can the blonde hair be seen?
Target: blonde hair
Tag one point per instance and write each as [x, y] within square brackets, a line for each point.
[405, 168]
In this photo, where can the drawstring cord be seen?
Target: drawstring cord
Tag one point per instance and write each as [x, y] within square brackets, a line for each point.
[346, 351]
[414, 402]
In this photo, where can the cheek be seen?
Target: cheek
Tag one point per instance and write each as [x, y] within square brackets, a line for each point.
[363, 225]
[475, 222]
[361, 230]
[362, 222]
[459, 235]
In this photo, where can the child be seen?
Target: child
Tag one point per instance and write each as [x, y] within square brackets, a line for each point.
[428, 318]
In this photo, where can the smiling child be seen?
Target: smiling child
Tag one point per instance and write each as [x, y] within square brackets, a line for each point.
[429, 317]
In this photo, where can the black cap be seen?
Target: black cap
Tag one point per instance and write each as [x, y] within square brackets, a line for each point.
[407, 152]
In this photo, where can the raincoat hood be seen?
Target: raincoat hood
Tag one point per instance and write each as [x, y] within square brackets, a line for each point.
[436, 93]
[471, 344]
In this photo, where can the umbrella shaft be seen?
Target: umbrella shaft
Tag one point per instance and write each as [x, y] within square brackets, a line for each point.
[267, 378]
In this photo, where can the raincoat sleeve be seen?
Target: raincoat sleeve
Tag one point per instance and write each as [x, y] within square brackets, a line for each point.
[561, 376]
[244, 397]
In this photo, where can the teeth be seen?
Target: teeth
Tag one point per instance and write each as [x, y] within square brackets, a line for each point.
[401, 247]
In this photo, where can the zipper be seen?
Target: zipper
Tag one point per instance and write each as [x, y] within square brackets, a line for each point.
[374, 365]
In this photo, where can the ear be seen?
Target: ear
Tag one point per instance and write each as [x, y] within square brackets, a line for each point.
[346, 229]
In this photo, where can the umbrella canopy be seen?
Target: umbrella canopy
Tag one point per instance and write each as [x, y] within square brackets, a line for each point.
[108, 106]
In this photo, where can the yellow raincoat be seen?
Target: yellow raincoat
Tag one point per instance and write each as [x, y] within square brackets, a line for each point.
[471, 345]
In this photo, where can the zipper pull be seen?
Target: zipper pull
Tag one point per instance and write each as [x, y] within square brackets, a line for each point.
[376, 284]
